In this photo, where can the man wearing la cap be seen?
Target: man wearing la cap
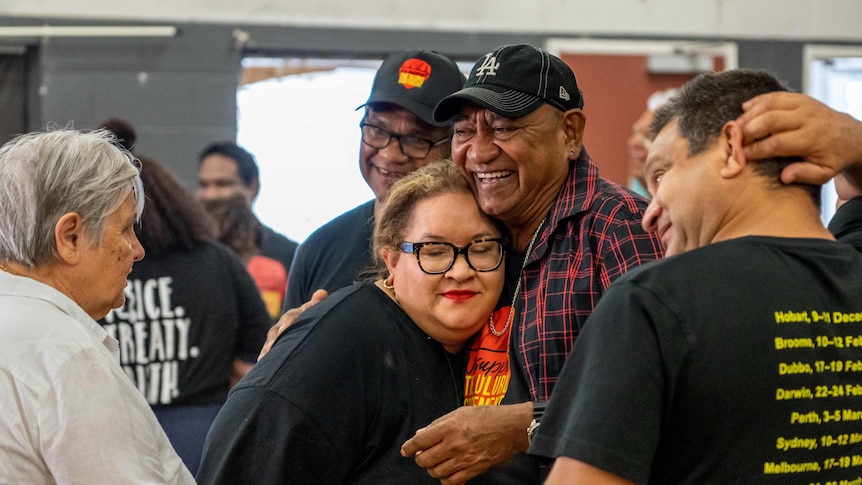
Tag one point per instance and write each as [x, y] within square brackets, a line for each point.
[399, 135]
[517, 136]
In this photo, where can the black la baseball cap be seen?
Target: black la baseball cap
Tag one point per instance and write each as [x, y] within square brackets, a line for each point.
[513, 81]
[416, 80]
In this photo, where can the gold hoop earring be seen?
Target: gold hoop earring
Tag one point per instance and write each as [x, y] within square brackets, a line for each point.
[389, 284]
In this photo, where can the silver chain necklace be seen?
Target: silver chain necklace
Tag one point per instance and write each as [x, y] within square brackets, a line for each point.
[511, 318]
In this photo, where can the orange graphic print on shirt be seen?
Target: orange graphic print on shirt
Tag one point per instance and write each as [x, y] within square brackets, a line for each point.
[271, 279]
[488, 370]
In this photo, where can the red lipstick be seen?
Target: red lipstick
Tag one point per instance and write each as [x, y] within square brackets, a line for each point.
[459, 295]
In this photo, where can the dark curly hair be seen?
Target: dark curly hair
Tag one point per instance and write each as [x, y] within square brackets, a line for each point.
[172, 220]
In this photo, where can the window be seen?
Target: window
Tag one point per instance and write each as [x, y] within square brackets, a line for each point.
[834, 76]
[298, 117]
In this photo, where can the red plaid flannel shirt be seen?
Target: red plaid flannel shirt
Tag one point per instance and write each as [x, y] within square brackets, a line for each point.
[592, 236]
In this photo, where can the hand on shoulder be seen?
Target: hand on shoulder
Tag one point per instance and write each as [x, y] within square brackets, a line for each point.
[287, 320]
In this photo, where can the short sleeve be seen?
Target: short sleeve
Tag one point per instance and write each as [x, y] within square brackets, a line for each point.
[606, 409]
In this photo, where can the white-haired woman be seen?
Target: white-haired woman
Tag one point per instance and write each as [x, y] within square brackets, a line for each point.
[68, 414]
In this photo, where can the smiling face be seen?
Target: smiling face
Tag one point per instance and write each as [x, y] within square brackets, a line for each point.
[686, 192]
[381, 167]
[452, 306]
[102, 268]
[516, 166]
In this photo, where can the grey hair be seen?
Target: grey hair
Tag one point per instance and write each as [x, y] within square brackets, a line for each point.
[46, 175]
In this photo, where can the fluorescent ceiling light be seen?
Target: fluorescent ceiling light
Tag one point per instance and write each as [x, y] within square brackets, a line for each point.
[89, 31]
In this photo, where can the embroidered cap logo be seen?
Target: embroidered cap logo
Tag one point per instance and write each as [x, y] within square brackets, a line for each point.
[489, 67]
[564, 94]
[413, 73]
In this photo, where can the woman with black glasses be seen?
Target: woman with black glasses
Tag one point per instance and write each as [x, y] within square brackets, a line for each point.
[358, 373]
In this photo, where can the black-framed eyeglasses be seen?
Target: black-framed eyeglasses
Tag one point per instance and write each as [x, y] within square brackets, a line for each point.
[411, 146]
[438, 257]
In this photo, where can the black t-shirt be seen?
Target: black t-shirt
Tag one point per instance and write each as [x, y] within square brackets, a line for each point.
[186, 317]
[333, 256]
[739, 362]
[332, 402]
[846, 224]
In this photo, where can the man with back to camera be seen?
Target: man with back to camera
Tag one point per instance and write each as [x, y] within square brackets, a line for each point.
[517, 136]
[399, 135]
[226, 169]
[731, 360]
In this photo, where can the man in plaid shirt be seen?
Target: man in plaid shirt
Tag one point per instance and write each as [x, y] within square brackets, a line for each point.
[517, 135]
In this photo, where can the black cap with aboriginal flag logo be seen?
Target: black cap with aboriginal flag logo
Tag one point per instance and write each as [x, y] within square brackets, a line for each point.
[416, 80]
[513, 81]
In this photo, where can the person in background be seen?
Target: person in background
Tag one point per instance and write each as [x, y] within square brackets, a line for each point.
[360, 371]
[398, 135]
[67, 243]
[639, 141]
[226, 169]
[239, 230]
[124, 131]
[518, 138]
[721, 363]
[193, 319]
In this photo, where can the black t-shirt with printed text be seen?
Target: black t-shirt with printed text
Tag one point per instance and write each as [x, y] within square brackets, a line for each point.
[186, 317]
[739, 362]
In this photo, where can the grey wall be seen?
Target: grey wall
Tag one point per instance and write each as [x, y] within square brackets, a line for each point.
[180, 93]
[782, 58]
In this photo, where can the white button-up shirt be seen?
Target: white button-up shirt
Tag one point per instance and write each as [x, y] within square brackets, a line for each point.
[68, 413]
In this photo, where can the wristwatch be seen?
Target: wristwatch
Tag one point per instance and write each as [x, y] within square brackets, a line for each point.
[531, 431]
[538, 412]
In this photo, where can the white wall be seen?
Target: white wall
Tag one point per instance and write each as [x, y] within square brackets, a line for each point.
[777, 19]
